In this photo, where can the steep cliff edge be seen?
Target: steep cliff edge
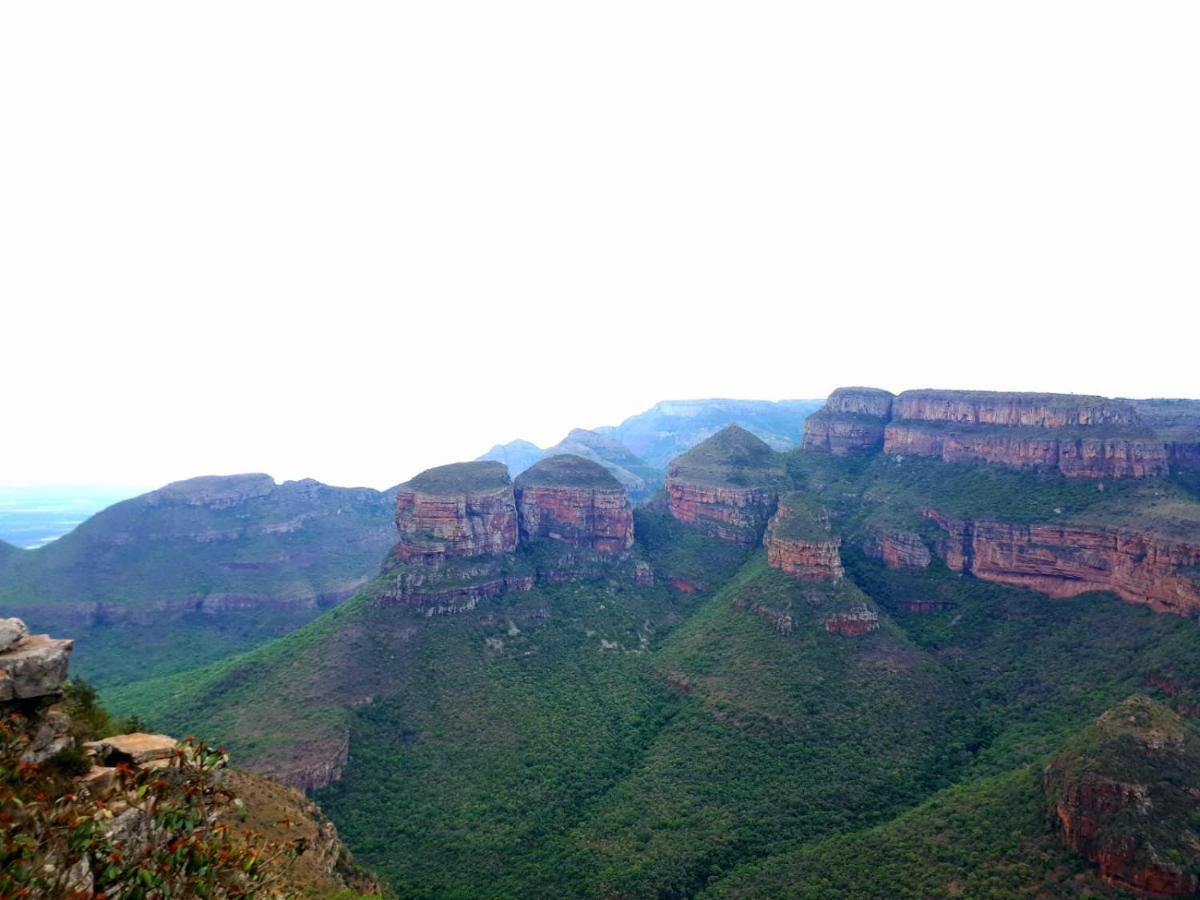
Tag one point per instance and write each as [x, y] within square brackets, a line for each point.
[727, 486]
[1062, 560]
[1125, 794]
[458, 534]
[800, 543]
[853, 418]
[1080, 436]
[574, 501]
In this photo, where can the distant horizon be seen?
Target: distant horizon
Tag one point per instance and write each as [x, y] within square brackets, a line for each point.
[135, 487]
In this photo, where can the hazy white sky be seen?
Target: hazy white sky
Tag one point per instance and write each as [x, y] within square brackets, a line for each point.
[352, 240]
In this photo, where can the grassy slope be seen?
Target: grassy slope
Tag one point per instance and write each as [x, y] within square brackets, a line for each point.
[567, 470]
[984, 839]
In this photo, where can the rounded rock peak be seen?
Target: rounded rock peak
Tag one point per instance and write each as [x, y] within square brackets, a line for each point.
[731, 447]
[457, 479]
[568, 471]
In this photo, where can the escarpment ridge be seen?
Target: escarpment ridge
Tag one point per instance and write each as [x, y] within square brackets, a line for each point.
[1077, 435]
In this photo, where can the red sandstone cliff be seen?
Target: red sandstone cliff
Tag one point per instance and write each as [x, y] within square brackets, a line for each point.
[799, 541]
[1088, 457]
[574, 501]
[460, 510]
[1012, 409]
[727, 486]
[851, 419]
[1065, 560]
[1124, 796]
[898, 549]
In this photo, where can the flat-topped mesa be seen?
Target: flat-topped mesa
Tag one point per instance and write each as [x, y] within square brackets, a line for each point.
[726, 485]
[853, 418]
[1080, 436]
[1065, 560]
[575, 501]
[460, 510]
[1125, 794]
[800, 543]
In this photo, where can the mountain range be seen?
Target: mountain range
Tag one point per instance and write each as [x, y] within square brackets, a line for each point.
[945, 647]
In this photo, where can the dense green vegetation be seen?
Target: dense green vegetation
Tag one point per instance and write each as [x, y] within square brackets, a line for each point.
[707, 733]
[984, 839]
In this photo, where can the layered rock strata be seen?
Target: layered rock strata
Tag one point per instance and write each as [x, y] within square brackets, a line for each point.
[574, 501]
[460, 527]
[1065, 560]
[799, 541]
[1080, 436]
[457, 511]
[727, 486]
[1126, 795]
[898, 549]
[852, 419]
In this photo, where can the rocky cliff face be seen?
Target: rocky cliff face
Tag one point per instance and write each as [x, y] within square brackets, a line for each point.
[727, 486]
[1012, 409]
[898, 549]
[1065, 560]
[1125, 795]
[574, 501]
[799, 541]
[460, 527]
[456, 511]
[33, 670]
[852, 419]
[1086, 457]
[1080, 436]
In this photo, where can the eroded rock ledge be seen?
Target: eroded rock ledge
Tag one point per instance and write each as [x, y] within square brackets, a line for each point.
[1066, 560]
[1080, 436]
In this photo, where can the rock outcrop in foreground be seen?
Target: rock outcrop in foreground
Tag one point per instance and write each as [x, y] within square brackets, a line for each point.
[1126, 796]
[33, 670]
[727, 486]
[1065, 560]
[461, 527]
[1080, 436]
[575, 501]
[142, 814]
[800, 543]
